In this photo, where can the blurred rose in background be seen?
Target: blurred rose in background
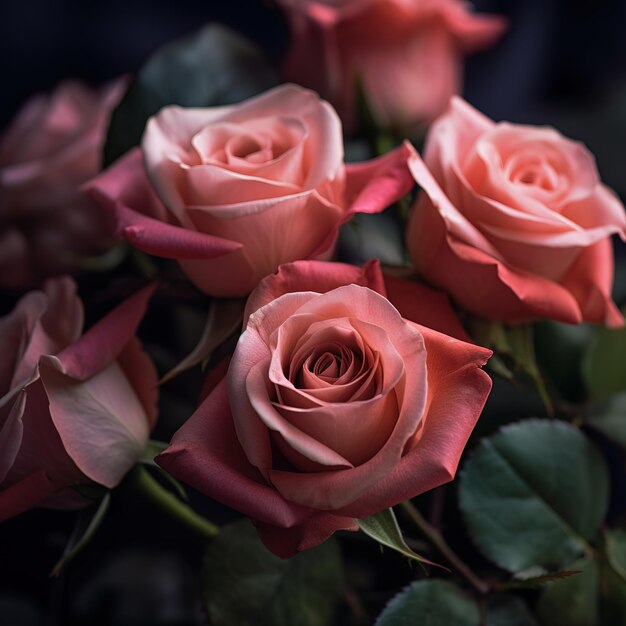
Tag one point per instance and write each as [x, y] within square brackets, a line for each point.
[50, 148]
[407, 55]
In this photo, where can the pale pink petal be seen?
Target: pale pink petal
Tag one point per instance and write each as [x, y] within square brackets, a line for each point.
[100, 420]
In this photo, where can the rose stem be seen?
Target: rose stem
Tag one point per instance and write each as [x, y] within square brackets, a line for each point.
[169, 503]
[436, 538]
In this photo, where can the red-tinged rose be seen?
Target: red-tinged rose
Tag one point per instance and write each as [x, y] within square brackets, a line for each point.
[334, 407]
[232, 192]
[406, 54]
[74, 408]
[513, 221]
[53, 146]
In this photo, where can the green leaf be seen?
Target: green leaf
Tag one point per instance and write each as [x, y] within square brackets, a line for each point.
[533, 582]
[533, 493]
[560, 349]
[517, 344]
[213, 67]
[245, 584]
[152, 449]
[573, 601]
[616, 551]
[613, 579]
[604, 363]
[509, 610]
[87, 524]
[383, 527]
[430, 603]
[608, 416]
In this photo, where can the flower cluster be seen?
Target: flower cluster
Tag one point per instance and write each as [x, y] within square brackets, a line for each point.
[348, 388]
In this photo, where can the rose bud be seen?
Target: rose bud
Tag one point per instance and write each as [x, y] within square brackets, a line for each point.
[74, 408]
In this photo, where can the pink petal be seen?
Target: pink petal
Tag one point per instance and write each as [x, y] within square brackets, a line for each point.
[26, 494]
[286, 542]
[100, 420]
[590, 280]
[206, 454]
[103, 342]
[425, 306]
[457, 391]
[315, 276]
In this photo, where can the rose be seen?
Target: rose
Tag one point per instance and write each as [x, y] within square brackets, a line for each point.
[52, 146]
[247, 187]
[513, 221]
[334, 406]
[407, 54]
[73, 409]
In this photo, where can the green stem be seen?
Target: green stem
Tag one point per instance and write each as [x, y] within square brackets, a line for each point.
[436, 538]
[168, 502]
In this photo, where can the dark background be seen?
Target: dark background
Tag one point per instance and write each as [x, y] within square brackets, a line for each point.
[563, 63]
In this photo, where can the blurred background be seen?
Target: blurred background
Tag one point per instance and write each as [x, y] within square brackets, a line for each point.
[563, 63]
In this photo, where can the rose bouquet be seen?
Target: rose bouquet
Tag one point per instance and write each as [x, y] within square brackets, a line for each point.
[265, 319]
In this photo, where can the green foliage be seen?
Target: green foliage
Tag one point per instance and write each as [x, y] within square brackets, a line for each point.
[509, 610]
[430, 603]
[213, 67]
[383, 527]
[88, 522]
[604, 363]
[533, 494]
[244, 584]
[608, 416]
[573, 601]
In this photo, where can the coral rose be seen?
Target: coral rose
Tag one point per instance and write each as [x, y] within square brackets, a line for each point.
[232, 192]
[407, 54]
[513, 221]
[73, 409]
[52, 146]
[334, 406]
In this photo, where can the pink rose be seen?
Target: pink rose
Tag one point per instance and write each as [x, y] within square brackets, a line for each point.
[232, 192]
[406, 53]
[52, 146]
[73, 409]
[513, 221]
[334, 405]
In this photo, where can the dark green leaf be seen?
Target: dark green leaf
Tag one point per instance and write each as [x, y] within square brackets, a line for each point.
[213, 67]
[604, 363]
[613, 579]
[533, 493]
[533, 582]
[430, 603]
[87, 524]
[609, 417]
[245, 584]
[560, 349]
[383, 527]
[573, 601]
[509, 610]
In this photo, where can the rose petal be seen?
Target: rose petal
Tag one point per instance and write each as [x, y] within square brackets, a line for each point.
[100, 420]
[206, 446]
